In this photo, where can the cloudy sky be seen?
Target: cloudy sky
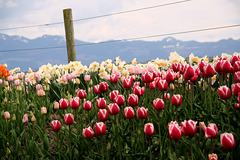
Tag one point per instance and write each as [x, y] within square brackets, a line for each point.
[195, 14]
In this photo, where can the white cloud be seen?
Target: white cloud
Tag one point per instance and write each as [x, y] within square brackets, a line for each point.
[180, 17]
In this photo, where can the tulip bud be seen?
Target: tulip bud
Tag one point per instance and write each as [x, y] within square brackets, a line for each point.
[14, 117]
[81, 94]
[90, 82]
[224, 92]
[19, 88]
[7, 115]
[41, 93]
[237, 106]
[211, 130]
[25, 118]
[177, 100]
[227, 141]
[56, 105]
[212, 156]
[77, 81]
[5, 100]
[120, 100]
[109, 146]
[6, 84]
[68, 119]
[149, 129]
[113, 78]
[202, 126]
[166, 96]
[113, 95]
[96, 89]
[88, 132]
[87, 78]
[33, 119]
[8, 151]
[103, 86]
[44, 110]
[127, 82]
[63, 103]
[162, 85]
[133, 100]
[56, 125]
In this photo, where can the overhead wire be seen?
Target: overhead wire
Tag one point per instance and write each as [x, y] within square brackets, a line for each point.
[128, 39]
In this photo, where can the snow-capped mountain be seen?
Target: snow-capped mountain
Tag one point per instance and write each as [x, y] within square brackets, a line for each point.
[127, 50]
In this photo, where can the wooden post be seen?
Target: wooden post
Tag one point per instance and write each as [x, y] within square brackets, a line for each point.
[69, 32]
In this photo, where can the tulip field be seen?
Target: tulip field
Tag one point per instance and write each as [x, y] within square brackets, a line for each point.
[180, 108]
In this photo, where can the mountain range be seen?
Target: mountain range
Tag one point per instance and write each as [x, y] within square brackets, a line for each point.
[127, 50]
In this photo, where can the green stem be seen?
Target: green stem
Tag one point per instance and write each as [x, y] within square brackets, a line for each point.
[191, 148]
[119, 145]
[229, 127]
[159, 126]
[70, 145]
[58, 145]
[212, 144]
[102, 147]
[150, 148]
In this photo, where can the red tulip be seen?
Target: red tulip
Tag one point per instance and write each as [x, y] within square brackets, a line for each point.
[127, 82]
[103, 86]
[148, 77]
[151, 85]
[68, 119]
[101, 103]
[235, 88]
[227, 140]
[208, 70]
[237, 77]
[175, 67]
[142, 113]
[88, 132]
[81, 94]
[189, 128]
[113, 78]
[56, 125]
[237, 106]
[75, 102]
[158, 104]
[183, 68]
[96, 89]
[113, 108]
[212, 156]
[189, 73]
[128, 112]
[133, 100]
[87, 105]
[222, 66]
[100, 128]
[174, 131]
[177, 100]
[139, 91]
[211, 130]
[236, 66]
[170, 76]
[120, 100]
[63, 103]
[194, 78]
[234, 58]
[103, 115]
[163, 85]
[113, 95]
[149, 129]
[202, 64]
[224, 92]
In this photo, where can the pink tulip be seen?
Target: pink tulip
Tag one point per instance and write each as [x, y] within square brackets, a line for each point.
[158, 104]
[227, 141]
[149, 129]
[27, 80]
[100, 128]
[202, 126]
[43, 110]
[40, 92]
[128, 112]
[189, 128]
[88, 132]
[174, 131]
[166, 96]
[25, 118]
[142, 113]
[17, 82]
[87, 77]
[224, 92]
[39, 86]
[212, 156]
[56, 125]
[10, 78]
[7, 115]
[68, 119]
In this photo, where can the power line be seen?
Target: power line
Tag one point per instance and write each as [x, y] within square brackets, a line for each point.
[95, 17]
[128, 39]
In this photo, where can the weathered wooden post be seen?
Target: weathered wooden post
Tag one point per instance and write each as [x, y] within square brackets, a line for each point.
[69, 32]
